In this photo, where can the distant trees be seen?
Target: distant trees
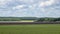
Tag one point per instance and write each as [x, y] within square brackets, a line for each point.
[48, 19]
[16, 18]
[10, 19]
[28, 18]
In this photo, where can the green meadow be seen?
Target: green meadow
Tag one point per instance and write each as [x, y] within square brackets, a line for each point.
[30, 29]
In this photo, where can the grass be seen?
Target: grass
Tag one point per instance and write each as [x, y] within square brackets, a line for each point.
[27, 20]
[30, 29]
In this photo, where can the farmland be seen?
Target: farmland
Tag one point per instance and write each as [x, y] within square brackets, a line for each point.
[30, 29]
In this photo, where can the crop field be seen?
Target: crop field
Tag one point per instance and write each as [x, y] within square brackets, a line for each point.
[27, 21]
[30, 29]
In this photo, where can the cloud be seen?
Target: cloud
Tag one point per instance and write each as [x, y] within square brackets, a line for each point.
[32, 7]
[19, 7]
[27, 1]
[35, 8]
[47, 3]
[24, 6]
[3, 2]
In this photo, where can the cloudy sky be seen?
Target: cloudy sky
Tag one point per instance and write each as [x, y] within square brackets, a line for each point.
[30, 8]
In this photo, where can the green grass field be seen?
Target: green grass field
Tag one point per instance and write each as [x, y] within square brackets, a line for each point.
[30, 29]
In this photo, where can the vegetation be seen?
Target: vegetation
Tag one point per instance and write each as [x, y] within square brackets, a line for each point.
[30, 29]
[16, 18]
[28, 18]
[48, 19]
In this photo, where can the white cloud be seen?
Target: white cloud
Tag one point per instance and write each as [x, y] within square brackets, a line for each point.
[28, 8]
[3, 2]
[27, 1]
[18, 7]
[47, 3]
[32, 6]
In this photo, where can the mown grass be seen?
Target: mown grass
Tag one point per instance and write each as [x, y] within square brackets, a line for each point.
[30, 29]
[27, 21]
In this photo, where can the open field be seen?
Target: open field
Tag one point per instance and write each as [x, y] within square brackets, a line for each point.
[30, 29]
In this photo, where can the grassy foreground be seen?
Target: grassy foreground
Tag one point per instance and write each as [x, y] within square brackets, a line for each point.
[30, 29]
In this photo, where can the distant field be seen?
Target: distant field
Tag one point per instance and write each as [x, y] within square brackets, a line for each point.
[27, 21]
[30, 29]
[20, 21]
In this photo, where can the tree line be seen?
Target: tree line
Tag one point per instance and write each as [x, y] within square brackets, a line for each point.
[28, 18]
[48, 19]
[16, 18]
